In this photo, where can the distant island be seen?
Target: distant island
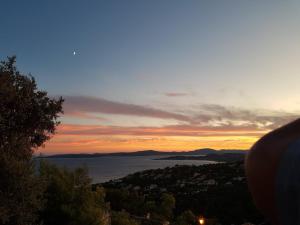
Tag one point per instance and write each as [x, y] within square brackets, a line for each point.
[223, 157]
[198, 152]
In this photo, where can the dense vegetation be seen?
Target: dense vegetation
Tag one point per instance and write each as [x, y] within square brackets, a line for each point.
[69, 198]
[215, 191]
[28, 118]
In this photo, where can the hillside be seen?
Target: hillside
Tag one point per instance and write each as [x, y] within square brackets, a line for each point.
[218, 191]
[220, 157]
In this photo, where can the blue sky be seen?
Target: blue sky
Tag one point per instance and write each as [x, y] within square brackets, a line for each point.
[169, 55]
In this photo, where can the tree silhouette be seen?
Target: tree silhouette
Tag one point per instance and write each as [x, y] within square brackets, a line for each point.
[28, 117]
[70, 199]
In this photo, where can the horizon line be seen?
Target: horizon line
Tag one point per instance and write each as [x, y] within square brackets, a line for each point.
[134, 151]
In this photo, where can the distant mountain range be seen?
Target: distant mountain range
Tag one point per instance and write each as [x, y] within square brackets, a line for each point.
[203, 151]
[225, 157]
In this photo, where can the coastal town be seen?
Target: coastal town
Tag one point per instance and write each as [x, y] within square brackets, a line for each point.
[201, 191]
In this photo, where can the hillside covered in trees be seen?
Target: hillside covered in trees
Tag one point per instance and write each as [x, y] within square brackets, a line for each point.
[215, 191]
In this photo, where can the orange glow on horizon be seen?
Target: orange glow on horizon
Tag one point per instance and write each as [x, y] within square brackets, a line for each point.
[86, 140]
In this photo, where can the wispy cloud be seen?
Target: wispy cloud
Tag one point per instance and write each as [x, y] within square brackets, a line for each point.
[259, 118]
[205, 125]
[176, 130]
[82, 104]
[208, 116]
[85, 115]
[176, 94]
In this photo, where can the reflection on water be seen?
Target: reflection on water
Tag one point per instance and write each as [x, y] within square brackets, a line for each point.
[106, 168]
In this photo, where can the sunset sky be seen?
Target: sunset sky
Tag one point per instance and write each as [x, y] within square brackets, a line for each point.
[159, 74]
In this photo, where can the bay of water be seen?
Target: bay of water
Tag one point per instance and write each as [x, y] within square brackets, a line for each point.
[107, 168]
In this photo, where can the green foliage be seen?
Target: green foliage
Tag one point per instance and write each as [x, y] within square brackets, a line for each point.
[20, 191]
[167, 205]
[150, 206]
[228, 200]
[118, 198]
[186, 218]
[28, 118]
[121, 199]
[122, 218]
[26, 113]
[70, 199]
[153, 211]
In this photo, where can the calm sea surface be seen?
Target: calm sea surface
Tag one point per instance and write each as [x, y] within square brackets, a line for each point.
[113, 167]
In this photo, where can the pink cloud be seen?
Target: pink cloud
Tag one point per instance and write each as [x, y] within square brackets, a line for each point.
[75, 104]
[200, 116]
[175, 130]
